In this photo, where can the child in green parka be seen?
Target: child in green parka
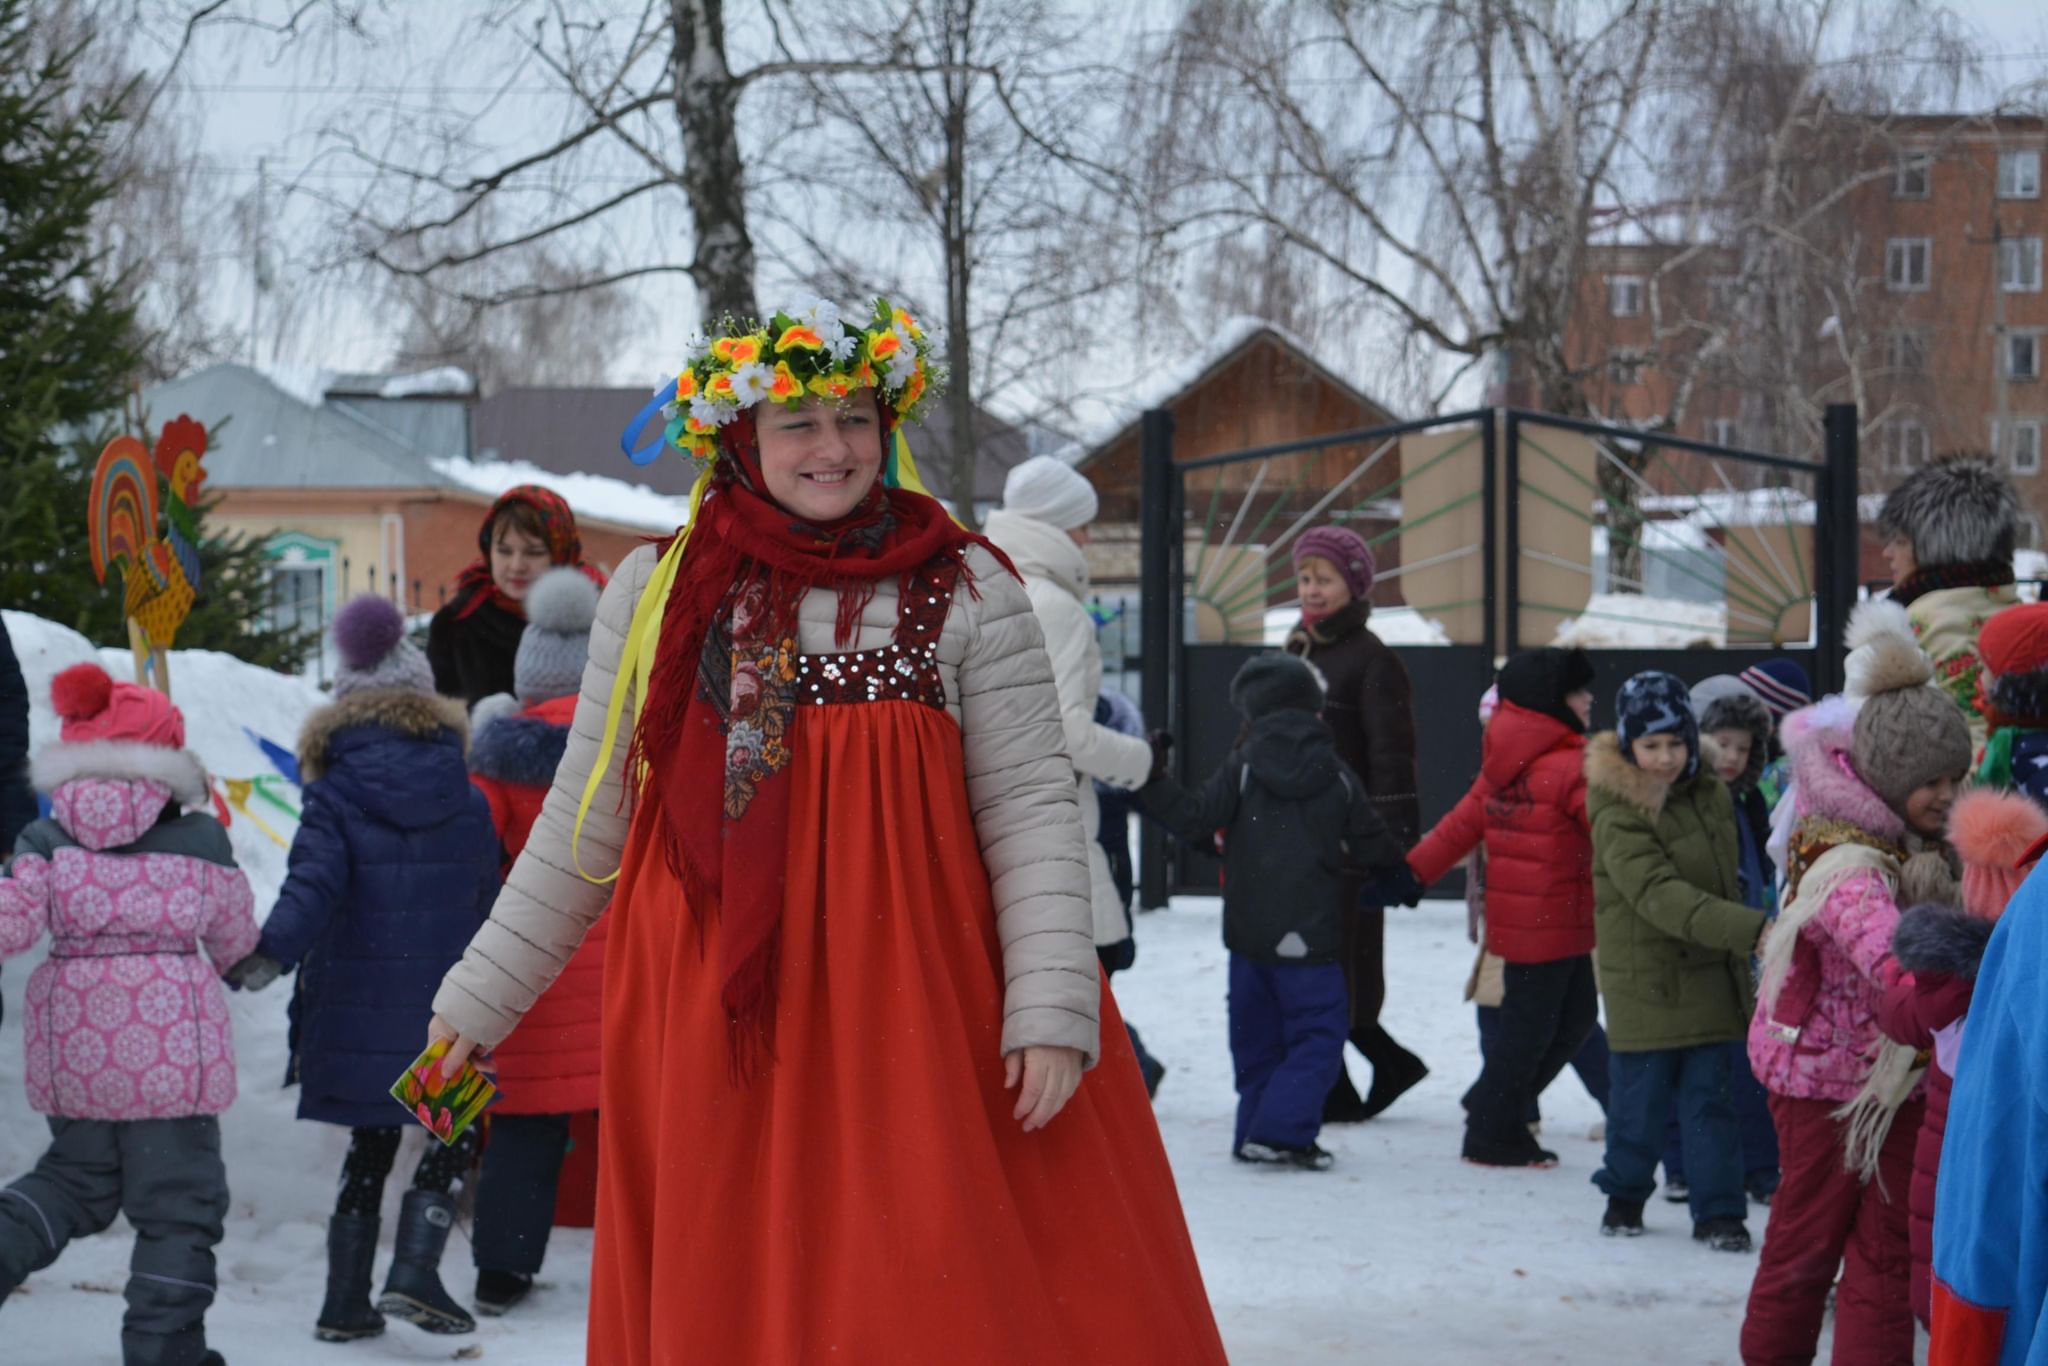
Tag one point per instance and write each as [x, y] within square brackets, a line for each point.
[1674, 940]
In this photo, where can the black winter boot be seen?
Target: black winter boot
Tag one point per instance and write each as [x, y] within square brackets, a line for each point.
[1344, 1105]
[1723, 1234]
[351, 1251]
[1623, 1219]
[1395, 1070]
[413, 1290]
[497, 1292]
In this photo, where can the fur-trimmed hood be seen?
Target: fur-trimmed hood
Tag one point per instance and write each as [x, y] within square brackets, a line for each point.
[1824, 776]
[177, 770]
[1945, 939]
[395, 754]
[1738, 711]
[1609, 771]
[522, 747]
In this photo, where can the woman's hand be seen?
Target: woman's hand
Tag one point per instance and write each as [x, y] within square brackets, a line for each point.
[460, 1046]
[1050, 1075]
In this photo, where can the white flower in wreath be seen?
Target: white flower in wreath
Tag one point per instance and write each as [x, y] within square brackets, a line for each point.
[842, 347]
[697, 348]
[751, 383]
[820, 315]
[901, 367]
[710, 413]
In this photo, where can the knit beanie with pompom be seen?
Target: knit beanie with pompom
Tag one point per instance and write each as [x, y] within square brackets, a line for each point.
[369, 635]
[1908, 732]
[1993, 834]
[560, 608]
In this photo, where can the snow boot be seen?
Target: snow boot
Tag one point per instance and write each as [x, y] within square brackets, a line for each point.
[1312, 1158]
[1395, 1070]
[1763, 1187]
[1344, 1105]
[1676, 1191]
[351, 1249]
[1722, 1235]
[1623, 1219]
[1528, 1153]
[499, 1291]
[213, 1359]
[413, 1290]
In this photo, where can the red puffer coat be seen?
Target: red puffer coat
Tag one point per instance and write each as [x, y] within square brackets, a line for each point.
[1529, 805]
[549, 1064]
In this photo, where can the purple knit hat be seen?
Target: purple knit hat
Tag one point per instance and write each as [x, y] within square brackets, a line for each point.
[369, 636]
[1344, 549]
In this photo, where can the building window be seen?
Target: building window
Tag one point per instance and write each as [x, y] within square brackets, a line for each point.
[2021, 444]
[2023, 355]
[1906, 263]
[1905, 445]
[1625, 367]
[1910, 178]
[1625, 295]
[1905, 350]
[2019, 175]
[1724, 431]
[2019, 265]
[1724, 292]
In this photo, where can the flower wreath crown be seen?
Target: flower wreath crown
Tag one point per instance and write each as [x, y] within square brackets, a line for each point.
[808, 349]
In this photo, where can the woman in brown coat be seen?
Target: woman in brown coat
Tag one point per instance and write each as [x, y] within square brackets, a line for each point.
[1371, 712]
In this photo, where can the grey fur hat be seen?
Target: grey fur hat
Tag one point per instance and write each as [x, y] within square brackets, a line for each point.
[560, 607]
[1276, 682]
[1958, 510]
[1734, 708]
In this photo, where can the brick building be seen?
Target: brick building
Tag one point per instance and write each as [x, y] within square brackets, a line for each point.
[1925, 305]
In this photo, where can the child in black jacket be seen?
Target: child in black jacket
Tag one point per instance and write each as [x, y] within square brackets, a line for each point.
[1296, 822]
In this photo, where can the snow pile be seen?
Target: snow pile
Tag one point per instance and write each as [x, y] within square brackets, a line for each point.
[590, 495]
[1632, 621]
[1394, 625]
[306, 383]
[443, 381]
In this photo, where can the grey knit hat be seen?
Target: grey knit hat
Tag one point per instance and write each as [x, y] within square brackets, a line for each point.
[560, 607]
[1276, 682]
[370, 639]
[1908, 732]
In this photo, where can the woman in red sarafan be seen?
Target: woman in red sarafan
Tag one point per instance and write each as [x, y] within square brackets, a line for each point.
[851, 987]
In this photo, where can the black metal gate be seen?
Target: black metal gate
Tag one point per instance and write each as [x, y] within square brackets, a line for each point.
[1496, 529]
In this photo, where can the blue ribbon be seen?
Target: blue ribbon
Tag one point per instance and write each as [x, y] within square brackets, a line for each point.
[629, 440]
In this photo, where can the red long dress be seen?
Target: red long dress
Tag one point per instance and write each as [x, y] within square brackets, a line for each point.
[868, 1198]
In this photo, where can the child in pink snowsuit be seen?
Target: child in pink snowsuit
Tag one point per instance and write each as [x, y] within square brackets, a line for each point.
[1876, 774]
[128, 1044]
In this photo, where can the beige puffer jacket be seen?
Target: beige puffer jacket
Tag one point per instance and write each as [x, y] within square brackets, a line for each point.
[1056, 579]
[1020, 786]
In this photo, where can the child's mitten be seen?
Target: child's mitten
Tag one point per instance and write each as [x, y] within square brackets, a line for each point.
[254, 972]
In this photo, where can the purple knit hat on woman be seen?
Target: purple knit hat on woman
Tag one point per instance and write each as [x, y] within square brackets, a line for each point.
[1344, 549]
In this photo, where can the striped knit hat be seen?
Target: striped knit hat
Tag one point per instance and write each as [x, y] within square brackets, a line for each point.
[1781, 683]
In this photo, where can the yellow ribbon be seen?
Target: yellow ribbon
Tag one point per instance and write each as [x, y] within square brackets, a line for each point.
[636, 670]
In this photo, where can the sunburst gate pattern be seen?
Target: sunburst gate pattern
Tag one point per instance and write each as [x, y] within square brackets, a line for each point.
[810, 348]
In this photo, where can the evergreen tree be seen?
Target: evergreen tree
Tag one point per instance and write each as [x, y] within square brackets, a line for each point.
[67, 359]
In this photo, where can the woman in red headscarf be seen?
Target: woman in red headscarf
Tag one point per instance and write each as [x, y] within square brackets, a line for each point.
[852, 987]
[474, 636]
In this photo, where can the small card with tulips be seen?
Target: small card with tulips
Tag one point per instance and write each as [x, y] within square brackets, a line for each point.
[447, 1106]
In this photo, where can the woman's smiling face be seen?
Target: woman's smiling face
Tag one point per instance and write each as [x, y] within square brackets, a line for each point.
[820, 459]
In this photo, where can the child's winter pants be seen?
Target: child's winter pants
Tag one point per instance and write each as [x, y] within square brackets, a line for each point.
[1752, 1117]
[1645, 1084]
[1545, 1015]
[1824, 1217]
[166, 1176]
[515, 1196]
[1287, 1026]
[1590, 1062]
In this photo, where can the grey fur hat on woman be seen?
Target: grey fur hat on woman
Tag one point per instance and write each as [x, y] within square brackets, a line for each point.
[1958, 510]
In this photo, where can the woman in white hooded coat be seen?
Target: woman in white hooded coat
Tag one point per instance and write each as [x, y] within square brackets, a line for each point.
[1042, 527]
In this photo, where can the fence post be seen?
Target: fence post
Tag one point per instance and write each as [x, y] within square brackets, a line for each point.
[1838, 532]
[1160, 600]
[1509, 494]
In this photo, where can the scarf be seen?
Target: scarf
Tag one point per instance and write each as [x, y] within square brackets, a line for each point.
[474, 586]
[723, 690]
[1971, 574]
[1328, 629]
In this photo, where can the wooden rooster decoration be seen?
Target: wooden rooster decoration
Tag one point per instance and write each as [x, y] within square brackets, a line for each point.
[160, 574]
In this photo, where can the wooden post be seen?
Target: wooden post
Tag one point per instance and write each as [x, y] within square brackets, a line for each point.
[138, 645]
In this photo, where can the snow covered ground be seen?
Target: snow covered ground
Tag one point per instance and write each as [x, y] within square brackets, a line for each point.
[1401, 1254]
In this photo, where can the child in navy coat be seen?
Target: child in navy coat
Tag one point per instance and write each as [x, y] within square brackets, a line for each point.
[394, 866]
[1298, 830]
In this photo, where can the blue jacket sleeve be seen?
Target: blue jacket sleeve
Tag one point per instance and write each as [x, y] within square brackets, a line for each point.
[491, 863]
[316, 880]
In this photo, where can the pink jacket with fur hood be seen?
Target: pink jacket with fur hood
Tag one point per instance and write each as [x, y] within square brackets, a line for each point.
[1815, 1036]
[127, 1018]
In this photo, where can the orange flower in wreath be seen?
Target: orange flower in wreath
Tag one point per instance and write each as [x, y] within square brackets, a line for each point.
[798, 337]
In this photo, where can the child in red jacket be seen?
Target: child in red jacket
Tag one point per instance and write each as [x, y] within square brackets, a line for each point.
[548, 1067]
[1528, 805]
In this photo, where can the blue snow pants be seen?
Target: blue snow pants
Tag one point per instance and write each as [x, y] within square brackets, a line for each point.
[1287, 1028]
